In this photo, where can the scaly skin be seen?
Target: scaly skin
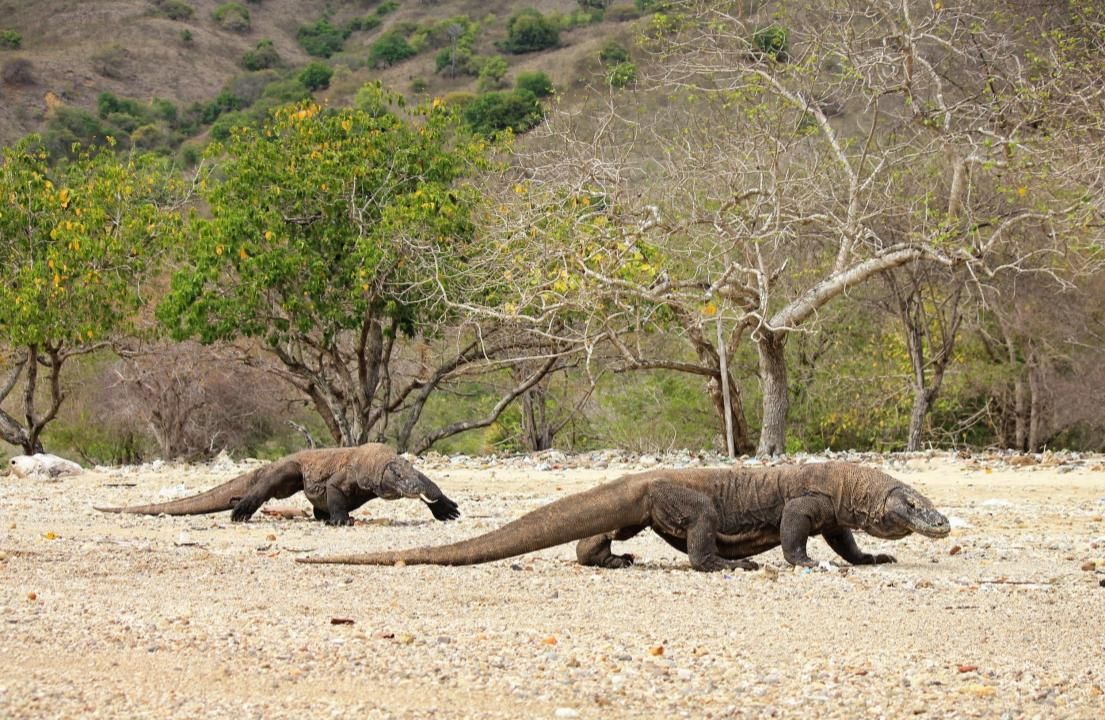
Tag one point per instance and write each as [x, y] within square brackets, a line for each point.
[335, 480]
[719, 517]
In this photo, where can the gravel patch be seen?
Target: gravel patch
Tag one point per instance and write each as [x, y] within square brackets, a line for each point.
[108, 616]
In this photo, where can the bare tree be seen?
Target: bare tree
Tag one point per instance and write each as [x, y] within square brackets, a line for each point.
[194, 400]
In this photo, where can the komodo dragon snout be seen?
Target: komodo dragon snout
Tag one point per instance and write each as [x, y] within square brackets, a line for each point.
[909, 511]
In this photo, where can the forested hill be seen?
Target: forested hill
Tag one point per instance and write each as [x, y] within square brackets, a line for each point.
[208, 58]
[755, 225]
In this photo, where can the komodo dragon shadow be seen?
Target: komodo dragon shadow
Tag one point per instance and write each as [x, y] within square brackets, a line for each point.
[718, 517]
[335, 480]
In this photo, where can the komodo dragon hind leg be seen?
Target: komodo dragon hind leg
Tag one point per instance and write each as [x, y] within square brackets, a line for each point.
[679, 510]
[843, 543]
[595, 550]
[279, 480]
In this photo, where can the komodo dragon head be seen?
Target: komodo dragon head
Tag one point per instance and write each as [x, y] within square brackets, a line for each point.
[401, 479]
[906, 511]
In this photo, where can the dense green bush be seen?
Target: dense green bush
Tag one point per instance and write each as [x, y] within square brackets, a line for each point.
[459, 31]
[232, 16]
[70, 125]
[285, 91]
[220, 129]
[613, 52]
[316, 76]
[368, 22]
[772, 42]
[457, 61]
[387, 7]
[10, 40]
[323, 38]
[516, 110]
[535, 82]
[261, 57]
[492, 73]
[173, 9]
[530, 31]
[392, 47]
[621, 75]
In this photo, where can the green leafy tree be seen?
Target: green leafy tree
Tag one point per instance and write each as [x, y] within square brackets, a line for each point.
[492, 73]
[232, 16]
[263, 56]
[529, 31]
[391, 48]
[332, 236]
[491, 112]
[316, 76]
[79, 242]
[323, 38]
[535, 82]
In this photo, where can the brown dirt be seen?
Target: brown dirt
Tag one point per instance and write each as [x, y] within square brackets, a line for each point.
[121, 616]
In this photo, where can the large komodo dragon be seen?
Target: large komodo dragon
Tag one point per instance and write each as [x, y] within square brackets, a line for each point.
[335, 480]
[717, 516]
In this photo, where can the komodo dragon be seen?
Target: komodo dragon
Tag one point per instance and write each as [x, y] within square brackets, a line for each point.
[335, 480]
[717, 516]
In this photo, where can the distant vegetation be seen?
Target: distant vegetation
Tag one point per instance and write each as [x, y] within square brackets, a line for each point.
[733, 244]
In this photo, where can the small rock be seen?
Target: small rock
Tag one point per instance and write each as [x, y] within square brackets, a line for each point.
[1089, 566]
[955, 550]
[564, 712]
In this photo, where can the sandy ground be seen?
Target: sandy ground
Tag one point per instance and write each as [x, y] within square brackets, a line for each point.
[107, 616]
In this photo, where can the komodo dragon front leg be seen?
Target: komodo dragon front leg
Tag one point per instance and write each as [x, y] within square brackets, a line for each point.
[682, 515]
[843, 543]
[279, 480]
[342, 498]
[813, 514]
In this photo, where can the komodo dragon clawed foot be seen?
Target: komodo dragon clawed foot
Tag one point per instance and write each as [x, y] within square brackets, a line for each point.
[443, 508]
[720, 564]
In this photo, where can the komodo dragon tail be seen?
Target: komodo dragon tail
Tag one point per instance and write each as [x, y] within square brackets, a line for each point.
[221, 497]
[602, 509]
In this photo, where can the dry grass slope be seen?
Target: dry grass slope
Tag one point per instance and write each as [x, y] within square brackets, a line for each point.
[77, 50]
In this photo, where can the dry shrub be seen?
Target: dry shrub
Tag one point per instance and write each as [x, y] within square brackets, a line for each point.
[18, 72]
[196, 400]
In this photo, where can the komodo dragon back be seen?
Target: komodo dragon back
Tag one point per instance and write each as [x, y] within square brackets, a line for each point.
[598, 510]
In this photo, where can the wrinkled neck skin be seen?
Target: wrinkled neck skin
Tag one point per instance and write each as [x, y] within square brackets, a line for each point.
[907, 511]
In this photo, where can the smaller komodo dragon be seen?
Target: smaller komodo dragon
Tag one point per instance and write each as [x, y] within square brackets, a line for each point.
[718, 517]
[335, 480]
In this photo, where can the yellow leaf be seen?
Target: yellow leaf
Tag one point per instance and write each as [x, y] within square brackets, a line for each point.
[709, 309]
[268, 234]
[242, 253]
[218, 249]
[1022, 191]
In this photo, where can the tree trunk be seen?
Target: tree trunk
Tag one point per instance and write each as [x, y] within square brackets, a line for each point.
[922, 403]
[536, 431]
[742, 443]
[773, 379]
[1035, 406]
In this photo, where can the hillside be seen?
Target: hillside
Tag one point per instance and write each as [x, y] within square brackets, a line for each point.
[69, 52]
